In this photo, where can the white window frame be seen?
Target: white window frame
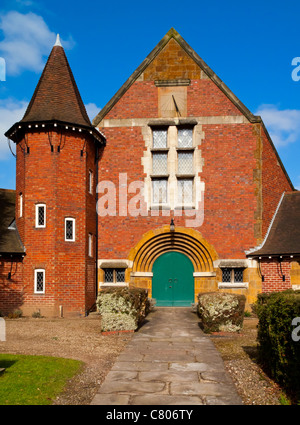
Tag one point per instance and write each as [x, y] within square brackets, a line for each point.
[37, 206]
[74, 222]
[90, 245]
[91, 182]
[36, 271]
[20, 205]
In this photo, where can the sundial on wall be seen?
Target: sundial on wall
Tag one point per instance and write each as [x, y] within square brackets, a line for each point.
[172, 101]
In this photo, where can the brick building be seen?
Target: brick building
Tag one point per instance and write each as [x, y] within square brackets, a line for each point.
[169, 189]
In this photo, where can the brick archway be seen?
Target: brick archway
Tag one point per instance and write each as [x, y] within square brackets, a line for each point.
[157, 242]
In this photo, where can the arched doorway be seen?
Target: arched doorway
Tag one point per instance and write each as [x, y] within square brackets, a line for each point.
[188, 242]
[173, 281]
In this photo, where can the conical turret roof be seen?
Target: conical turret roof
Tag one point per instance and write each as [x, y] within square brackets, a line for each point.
[56, 96]
[55, 101]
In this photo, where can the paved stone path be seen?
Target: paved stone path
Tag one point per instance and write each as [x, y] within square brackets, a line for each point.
[169, 361]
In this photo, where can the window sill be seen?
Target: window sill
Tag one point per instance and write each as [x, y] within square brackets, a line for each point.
[159, 176]
[160, 207]
[189, 148]
[233, 285]
[112, 285]
[185, 176]
[184, 207]
[160, 149]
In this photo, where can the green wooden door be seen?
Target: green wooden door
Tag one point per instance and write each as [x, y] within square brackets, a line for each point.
[173, 282]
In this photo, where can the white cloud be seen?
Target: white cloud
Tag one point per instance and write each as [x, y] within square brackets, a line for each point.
[92, 110]
[27, 41]
[11, 111]
[283, 125]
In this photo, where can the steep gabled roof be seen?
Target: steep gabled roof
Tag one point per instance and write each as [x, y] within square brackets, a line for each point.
[56, 96]
[283, 237]
[172, 33]
[10, 242]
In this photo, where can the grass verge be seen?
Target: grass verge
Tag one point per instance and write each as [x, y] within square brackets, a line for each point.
[34, 380]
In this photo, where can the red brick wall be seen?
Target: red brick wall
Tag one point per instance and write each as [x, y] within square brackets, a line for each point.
[229, 197]
[11, 290]
[206, 99]
[272, 273]
[58, 179]
[274, 182]
[239, 201]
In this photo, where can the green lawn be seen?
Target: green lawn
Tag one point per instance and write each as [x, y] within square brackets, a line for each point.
[32, 380]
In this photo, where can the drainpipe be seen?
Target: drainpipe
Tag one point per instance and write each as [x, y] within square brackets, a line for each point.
[96, 251]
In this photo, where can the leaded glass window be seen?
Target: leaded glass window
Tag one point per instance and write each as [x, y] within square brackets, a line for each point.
[40, 215]
[159, 188]
[226, 275]
[120, 275]
[160, 138]
[232, 275]
[238, 275]
[39, 281]
[185, 191]
[185, 162]
[185, 137]
[70, 229]
[109, 275]
[159, 163]
[114, 275]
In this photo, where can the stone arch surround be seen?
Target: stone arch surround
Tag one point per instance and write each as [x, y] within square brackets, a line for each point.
[184, 240]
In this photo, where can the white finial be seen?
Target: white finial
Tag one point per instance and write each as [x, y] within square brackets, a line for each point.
[57, 43]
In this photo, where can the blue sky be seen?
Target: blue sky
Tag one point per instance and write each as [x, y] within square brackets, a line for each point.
[250, 46]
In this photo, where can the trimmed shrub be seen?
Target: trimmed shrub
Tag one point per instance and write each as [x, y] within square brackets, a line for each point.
[16, 314]
[122, 308]
[278, 352]
[221, 311]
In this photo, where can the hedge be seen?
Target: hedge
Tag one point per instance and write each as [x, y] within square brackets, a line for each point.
[122, 308]
[278, 352]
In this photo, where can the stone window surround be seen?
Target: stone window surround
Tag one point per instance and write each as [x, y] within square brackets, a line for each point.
[233, 263]
[172, 148]
[113, 264]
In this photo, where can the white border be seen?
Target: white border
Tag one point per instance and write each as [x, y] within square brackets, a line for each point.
[70, 219]
[35, 281]
[37, 225]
